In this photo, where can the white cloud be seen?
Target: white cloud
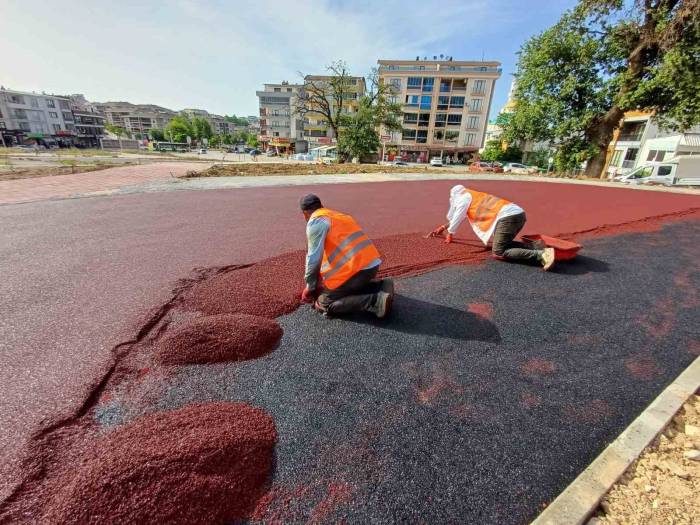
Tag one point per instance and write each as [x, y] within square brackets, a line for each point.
[214, 55]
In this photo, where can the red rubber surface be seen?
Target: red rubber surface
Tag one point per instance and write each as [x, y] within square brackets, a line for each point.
[81, 276]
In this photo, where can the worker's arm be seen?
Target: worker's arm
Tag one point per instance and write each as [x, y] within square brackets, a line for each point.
[456, 214]
[316, 230]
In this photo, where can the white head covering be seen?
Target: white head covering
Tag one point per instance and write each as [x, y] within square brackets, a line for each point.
[455, 191]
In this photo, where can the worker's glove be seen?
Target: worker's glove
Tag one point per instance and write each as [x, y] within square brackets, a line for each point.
[308, 296]
[437, 232]
[448, 239]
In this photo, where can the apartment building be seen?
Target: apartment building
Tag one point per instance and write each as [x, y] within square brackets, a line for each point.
[280, 127]
[137, 119]
[219, 124]
[38, 118]
[446, 104]
[89, 122]
[317, 131]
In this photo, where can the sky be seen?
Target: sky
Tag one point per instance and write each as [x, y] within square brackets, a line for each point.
[214, 55]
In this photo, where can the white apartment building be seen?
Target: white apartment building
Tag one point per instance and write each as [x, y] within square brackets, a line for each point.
[279, 126]
[137, 119]
[446, 105]
[33, 117]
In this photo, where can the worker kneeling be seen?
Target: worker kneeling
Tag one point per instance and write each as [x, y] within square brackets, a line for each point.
[346, 261]
[492, 216]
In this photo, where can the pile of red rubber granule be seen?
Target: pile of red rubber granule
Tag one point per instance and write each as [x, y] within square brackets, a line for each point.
[218, 338]
[269, 288]
[203, 463]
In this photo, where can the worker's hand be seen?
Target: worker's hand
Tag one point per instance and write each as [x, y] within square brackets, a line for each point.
[437, 232]
[307, 296]
[448, 239]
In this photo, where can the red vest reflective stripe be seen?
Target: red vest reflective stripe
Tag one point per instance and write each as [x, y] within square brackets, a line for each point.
[484, 208]
[347, 249]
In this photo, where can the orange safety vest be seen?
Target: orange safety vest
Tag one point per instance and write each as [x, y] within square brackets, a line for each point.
[484, 208]
[346, 251]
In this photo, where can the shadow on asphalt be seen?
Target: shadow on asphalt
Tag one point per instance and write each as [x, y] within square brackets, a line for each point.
[581, 265]
[414, 316]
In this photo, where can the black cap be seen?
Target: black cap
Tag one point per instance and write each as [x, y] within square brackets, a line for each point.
[310, 202]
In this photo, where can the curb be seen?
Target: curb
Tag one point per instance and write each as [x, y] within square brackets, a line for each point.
[581, 498]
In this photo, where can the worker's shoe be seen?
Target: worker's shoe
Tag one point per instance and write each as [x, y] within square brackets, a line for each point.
[382, 304]
[388, 286]
[547, 258]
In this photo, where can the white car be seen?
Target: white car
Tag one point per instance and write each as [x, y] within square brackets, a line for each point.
[202, 151]
[436, 161]
[520, 169]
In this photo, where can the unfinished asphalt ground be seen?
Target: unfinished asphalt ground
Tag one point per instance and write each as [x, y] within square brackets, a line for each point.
[91, 271]
[487, 392]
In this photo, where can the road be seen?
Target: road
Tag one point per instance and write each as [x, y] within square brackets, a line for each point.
[81, 274]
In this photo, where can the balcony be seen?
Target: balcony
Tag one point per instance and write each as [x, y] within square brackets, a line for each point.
[628, 164]
[630, 137]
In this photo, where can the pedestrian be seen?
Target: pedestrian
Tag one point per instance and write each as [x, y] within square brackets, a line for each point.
[341, 264]
[495, 217]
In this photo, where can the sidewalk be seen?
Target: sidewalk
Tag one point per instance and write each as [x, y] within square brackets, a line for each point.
[93, 183]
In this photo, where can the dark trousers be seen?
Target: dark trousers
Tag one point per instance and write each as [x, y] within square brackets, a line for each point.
[504, 244]
[357, 294]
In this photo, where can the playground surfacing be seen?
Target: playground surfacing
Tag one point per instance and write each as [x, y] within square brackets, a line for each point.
[448, 384]
[450, 414]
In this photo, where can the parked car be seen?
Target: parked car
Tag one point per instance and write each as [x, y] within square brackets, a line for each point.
[254, 152]
[436, 161]
[202, 151]
[682, 170]
[517, 168]
[399, 162]
[485, 167]
[271, 153]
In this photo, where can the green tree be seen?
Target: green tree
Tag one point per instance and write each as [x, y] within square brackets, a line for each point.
[157, 134]
[576, 80]
[116, 130]
[201, 128]
[178, 129]
[215, 141]
[227, 139]
[494, 151]
[236, 121]
[252, 141]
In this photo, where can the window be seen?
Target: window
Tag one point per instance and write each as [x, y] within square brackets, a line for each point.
[53, 114]
[2, 125]
[289, 90]
[410, 118]
[70, 127]
[56, 127]
[443, 102]
[424, 120]
[440, 120]
[278, 90]
[64, 104]
[445, 85]
[469, 139]
[19, 113]
[615, 161]
[395, 83]
[411, 100]
[24, 126]
[476, 104]
[422, 136]
[68, 117]
[408, 134]
[393, 99]
[414, 82]
[664, 170]
[34, 102]
[438, 135]
[456, 102]
[50, 103]
[17, 99]
[454, 120]
[426, 101]
[631, 154]
[0, 113]
[473, 123]
[428, 83]
[451, 137]
[656, 156]
[479, 87]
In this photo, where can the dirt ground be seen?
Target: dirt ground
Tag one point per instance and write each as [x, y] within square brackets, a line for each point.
[662, 486]
[10, 173]
[254, 169]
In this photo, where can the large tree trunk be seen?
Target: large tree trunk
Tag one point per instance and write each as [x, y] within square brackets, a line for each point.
[600, 133]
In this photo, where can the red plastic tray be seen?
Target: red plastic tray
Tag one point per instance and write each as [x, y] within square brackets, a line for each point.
[563, 250]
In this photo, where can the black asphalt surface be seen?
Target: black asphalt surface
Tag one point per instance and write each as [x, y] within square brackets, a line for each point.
[439, 415]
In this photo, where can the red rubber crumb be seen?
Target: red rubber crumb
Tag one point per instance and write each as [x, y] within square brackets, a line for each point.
[643, 367]
[590, 412]
[537, 366]
[483, 310]
[203, 463]
[219, 338]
